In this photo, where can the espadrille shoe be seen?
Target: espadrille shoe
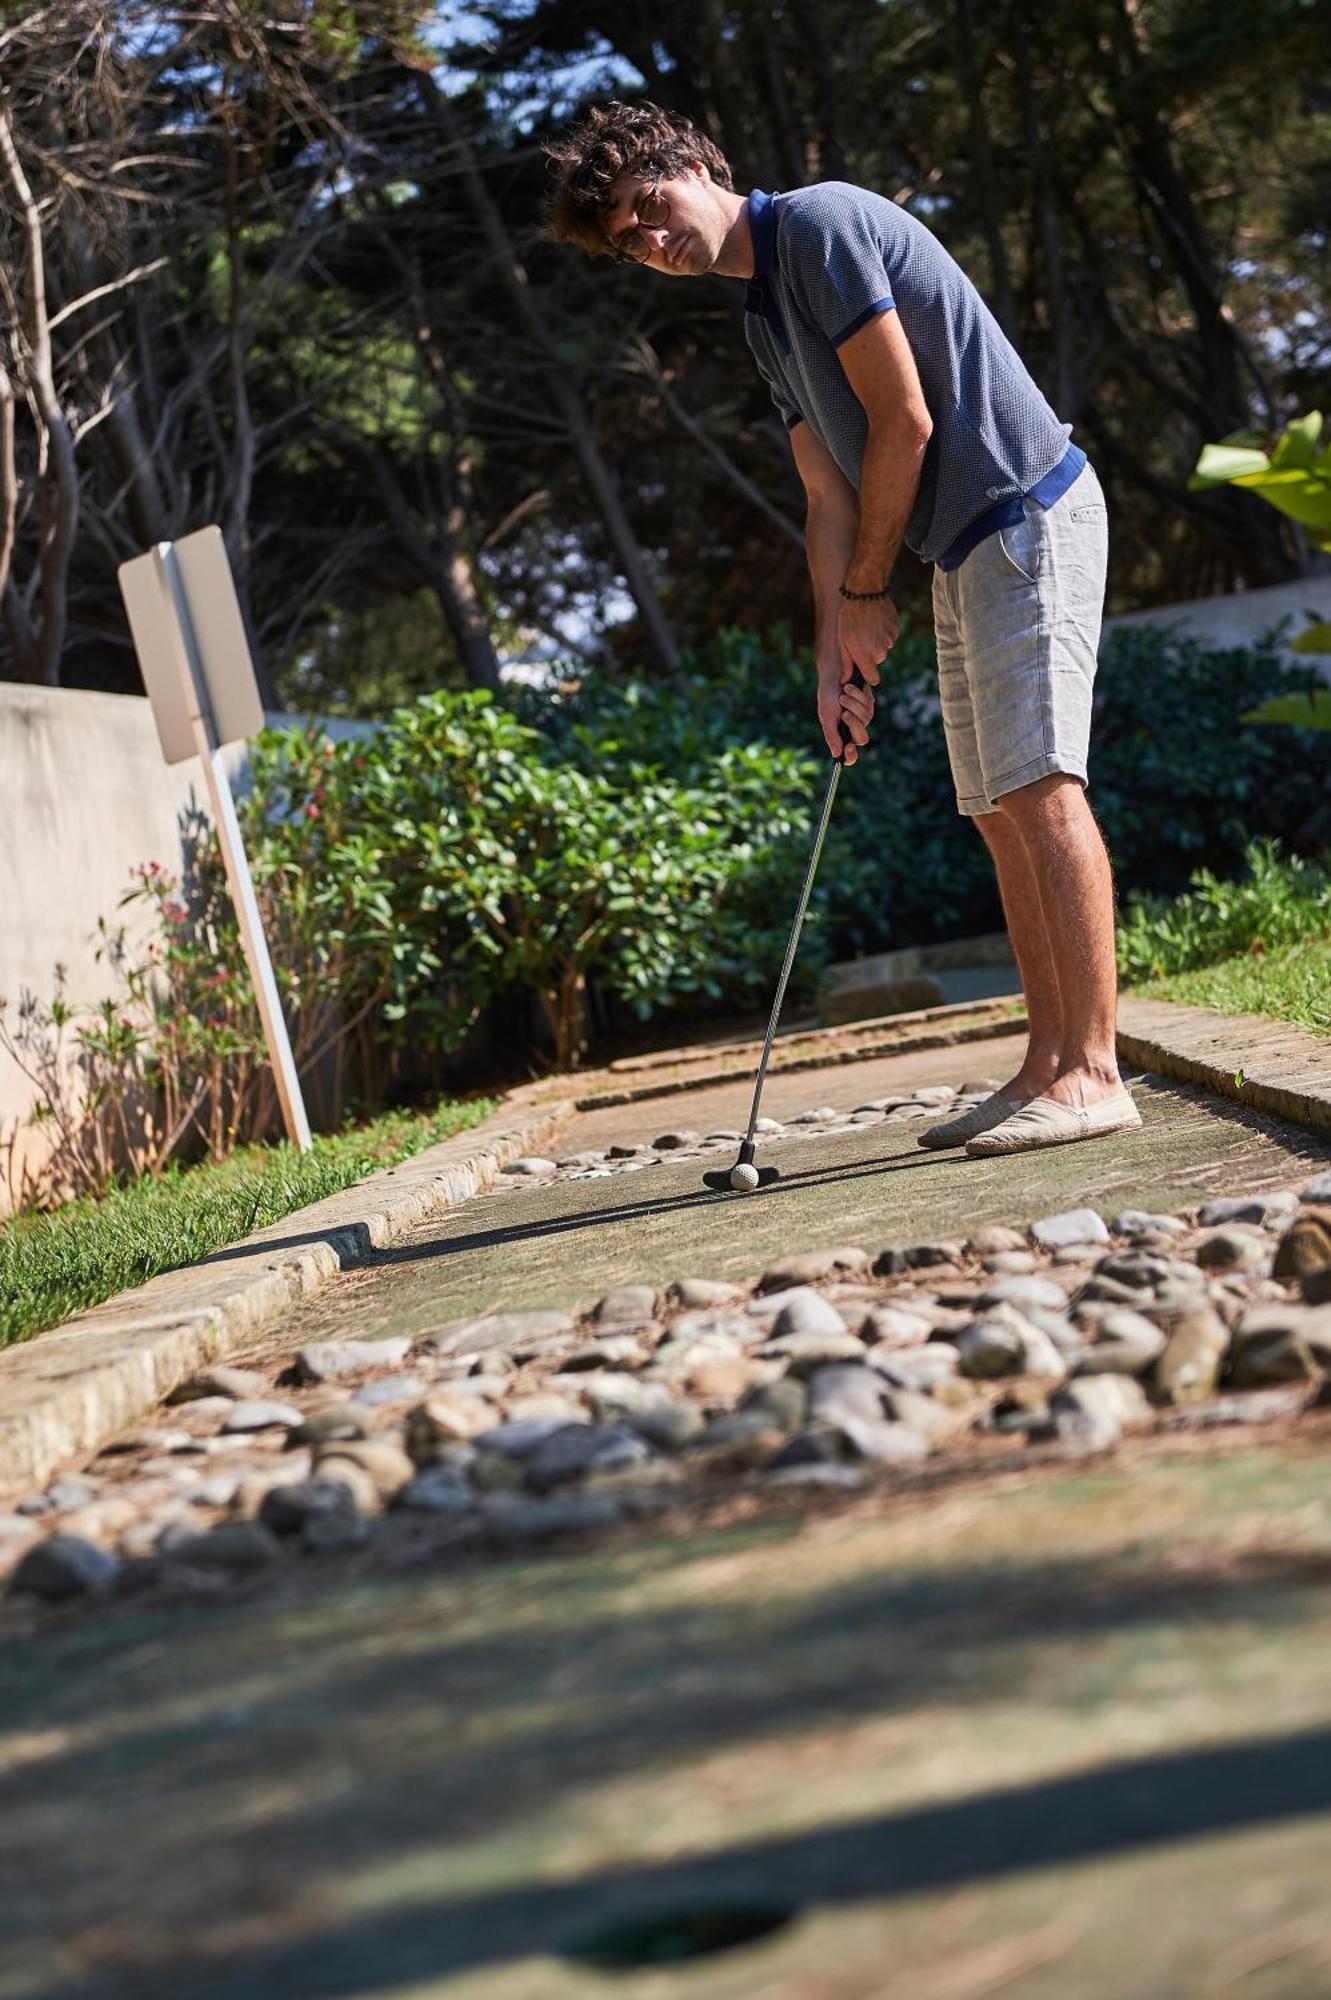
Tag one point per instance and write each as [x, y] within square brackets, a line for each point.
[1046, 1122]
[970, 1123]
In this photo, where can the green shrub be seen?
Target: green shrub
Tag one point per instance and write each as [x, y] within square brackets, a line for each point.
[1175, 781]
[522, 867]
[1278, 902]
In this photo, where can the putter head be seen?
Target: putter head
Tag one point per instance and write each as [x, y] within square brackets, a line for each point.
[718, 1179]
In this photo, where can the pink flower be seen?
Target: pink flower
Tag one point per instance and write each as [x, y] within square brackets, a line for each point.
[311, 810]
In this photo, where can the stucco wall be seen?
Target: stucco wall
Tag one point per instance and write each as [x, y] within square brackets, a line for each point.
[1239, 619]
[84, 798]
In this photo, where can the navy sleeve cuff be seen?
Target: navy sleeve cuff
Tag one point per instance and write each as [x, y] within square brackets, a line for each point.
[862, 319]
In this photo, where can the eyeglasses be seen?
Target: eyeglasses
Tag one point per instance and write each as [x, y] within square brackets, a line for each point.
[653, 210]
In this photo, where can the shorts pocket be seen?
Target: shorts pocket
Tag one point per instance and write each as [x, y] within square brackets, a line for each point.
[1094, 510]
[1021, 546]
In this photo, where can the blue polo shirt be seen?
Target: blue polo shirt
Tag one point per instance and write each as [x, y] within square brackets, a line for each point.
[827, 259]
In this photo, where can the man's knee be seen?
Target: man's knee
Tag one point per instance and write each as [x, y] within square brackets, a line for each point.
[1044, 798]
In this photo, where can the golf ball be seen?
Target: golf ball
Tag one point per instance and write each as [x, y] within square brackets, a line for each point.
[744, 1179]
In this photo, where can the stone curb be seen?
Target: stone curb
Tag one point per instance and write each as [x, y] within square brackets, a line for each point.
[1270, 1066]
[804, 1049]
[832, 1058]
[66, 1393]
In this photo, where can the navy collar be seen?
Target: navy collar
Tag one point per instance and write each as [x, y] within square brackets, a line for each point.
[759, 297]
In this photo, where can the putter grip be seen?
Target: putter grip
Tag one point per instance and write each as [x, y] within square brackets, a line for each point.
[856, 680]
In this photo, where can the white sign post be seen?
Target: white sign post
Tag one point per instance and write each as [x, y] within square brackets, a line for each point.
[195, 659]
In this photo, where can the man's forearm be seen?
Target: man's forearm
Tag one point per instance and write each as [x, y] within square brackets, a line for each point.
[831, 524]
[889, 482]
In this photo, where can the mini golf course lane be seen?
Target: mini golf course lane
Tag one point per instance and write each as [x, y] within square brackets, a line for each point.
[556, 1244]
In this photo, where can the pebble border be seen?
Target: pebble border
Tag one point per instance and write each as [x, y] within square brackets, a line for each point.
[66, 1393]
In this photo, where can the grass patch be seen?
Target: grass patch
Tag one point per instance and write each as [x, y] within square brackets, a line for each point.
[55, 1265]
[1292, 984]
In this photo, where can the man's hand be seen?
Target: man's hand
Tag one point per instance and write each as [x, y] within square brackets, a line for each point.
[867, 630]
[839, 702]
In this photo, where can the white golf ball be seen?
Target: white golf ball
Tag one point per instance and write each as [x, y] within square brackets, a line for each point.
[744, 1179]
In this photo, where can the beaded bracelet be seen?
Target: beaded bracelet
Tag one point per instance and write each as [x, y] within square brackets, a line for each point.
[862, 596]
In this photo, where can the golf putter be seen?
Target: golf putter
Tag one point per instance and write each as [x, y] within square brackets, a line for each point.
[744, 1177]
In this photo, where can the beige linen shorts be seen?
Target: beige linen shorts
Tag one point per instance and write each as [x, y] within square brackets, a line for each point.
[1018, 625]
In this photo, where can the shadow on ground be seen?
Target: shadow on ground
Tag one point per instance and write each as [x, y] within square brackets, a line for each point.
[363, 1785]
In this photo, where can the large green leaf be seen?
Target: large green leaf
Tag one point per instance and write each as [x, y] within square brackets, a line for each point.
[1219, 463]
[1305, 711]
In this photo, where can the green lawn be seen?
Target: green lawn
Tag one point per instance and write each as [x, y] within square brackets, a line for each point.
[1289, 984]
[55, 1265]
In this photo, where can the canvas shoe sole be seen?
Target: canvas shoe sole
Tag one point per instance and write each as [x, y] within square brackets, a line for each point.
[1046, 1122]
[969, 1124]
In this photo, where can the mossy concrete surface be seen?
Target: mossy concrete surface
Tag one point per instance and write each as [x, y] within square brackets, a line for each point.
[556, 1244]
[1048, 1734]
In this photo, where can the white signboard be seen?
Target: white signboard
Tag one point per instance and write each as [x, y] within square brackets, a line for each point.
[196, 665]
[161, 629]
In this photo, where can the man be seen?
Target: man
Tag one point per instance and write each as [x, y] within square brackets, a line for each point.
[912, 418]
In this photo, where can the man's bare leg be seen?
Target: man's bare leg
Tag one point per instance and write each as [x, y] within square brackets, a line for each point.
[1024, 917]
[1068, 865]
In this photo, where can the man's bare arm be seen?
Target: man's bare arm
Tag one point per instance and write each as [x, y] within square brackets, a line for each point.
[881, 370]
[831, 523]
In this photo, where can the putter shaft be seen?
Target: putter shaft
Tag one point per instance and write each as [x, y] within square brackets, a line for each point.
[746, 1152]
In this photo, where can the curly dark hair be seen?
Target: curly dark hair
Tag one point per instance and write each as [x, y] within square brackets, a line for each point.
[614, 139]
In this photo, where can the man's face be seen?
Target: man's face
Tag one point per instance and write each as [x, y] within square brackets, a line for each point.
[686, 239]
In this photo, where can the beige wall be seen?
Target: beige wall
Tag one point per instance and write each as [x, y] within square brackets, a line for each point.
[1242, 617]
[84, 798]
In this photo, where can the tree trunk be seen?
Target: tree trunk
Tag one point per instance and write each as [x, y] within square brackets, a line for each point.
[983, 181]
[661, 642]
[39, 645]
[565, 1007]
[443, 563]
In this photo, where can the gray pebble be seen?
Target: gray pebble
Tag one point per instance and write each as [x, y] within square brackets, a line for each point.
[626, 1305]
[700, 1292]
[232, 1545]
[1139, 1222]
[575, 1449]
[1228, 1250]
[531, 1164]
[811, 1267]
[1024, 1291]
[1259, 1208]
[671, 1142]
[516, 1333]
[845, 1389]
[236, 1384]
[1126, 1343]
[286, 1509]
[807, 1312]
[893, 1326]
[334, 1360]
[64, 1566]
[1073, 1225]
[338, 1420]
[263, 1417]
[1092, 1412]
[440, 1490]
[782, 1405]
[921, 1368]
[389, 1389]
